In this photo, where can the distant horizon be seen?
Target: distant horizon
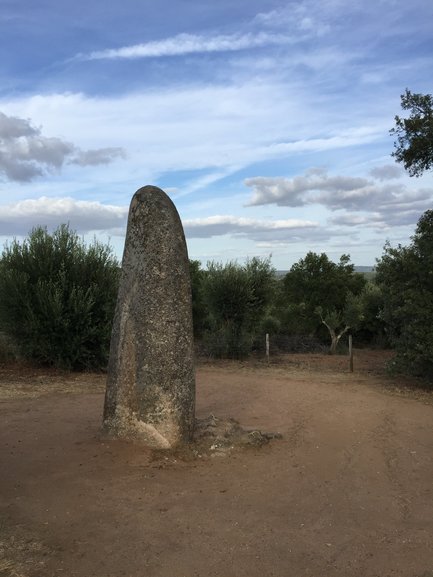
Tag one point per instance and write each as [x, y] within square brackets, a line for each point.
[361, 268]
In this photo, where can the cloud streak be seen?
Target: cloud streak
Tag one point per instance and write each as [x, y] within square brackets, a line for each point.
[183, 44]
[265, 29]
[25, 153]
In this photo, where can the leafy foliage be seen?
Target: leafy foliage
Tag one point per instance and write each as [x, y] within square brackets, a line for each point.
[199, 312]
[371, 328]
[340, 322]
[414, 144]
[319, 291]
[237, 299]
[405, 276]
[57, 298]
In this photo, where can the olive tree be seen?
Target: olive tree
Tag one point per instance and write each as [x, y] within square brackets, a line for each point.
[237, 298]
[319, 291]
[57, 298]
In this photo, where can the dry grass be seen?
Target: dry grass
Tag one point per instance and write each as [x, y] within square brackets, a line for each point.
[8, 569]
[20, 381]
[19, 555]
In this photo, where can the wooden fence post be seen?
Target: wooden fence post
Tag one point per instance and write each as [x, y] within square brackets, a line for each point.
[267, 347]
[350, 354]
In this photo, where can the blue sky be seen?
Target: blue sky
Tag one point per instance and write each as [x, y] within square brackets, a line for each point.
[266, 122]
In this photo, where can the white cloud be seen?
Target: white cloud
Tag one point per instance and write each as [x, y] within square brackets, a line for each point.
[25, 153]
[189, 128]
[96, 157]
[12, 127]
[252, 228]
[296, 191]
[387, 172]
[278, 190]
[299, 17]
[391, 204]
[83, 216]
[389, 200]
[351, 220]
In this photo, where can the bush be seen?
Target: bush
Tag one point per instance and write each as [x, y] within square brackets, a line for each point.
[237, 299]
[57, 298]
[405, 277]
[199, 312]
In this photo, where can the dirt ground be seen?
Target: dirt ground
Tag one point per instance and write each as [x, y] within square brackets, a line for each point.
[346, 492]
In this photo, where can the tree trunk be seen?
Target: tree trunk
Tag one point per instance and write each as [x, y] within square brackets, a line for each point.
[334, 343]
[335, 338]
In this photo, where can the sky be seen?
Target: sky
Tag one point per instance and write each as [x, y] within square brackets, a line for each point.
[267, 122]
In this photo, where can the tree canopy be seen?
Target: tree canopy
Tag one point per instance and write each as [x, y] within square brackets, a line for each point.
[414, 144]
[57, 298]
[237, 298]
[317, 281]
[319, 291]
[405, 276]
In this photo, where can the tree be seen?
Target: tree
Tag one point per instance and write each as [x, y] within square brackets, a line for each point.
[57, 298]
[316, 291]
[405, 276]
[414, 144]
[371, 328]
[262, 280]
[237, 298]
[199, 311]
[340, 322]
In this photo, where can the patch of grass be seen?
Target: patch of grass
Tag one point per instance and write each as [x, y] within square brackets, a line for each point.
[8, 566]
[19, 380]
[8, 569]
[19, 555]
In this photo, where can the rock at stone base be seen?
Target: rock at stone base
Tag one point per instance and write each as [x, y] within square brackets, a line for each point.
[215, 438]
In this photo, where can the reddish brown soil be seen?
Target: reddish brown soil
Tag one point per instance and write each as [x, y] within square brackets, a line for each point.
[347, 491]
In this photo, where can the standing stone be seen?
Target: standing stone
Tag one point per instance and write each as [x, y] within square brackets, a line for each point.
[150, 393]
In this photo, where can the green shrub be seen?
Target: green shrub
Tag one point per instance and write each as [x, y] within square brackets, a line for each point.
[57, 298]
[199, 311]
[237, 299]
[405, 277]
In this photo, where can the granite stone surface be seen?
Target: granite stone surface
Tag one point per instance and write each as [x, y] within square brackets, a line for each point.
[150, 393]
